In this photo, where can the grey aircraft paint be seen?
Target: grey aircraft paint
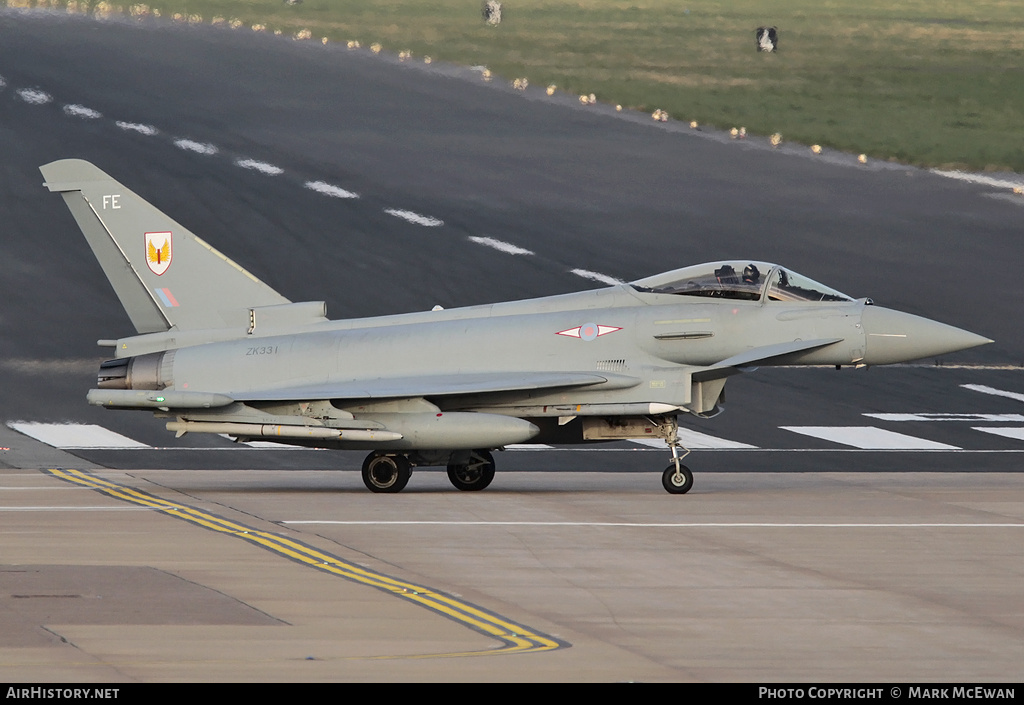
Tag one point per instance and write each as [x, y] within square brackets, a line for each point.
[218, 351]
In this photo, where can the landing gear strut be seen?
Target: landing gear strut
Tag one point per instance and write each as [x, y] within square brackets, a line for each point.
[471, 473]
[677, 478]
[386, 473]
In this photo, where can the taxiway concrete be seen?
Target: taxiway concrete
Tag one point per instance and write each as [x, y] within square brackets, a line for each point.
[752, 577]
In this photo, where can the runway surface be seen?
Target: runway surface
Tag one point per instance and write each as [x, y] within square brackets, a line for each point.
[764, 577]
[384, 186]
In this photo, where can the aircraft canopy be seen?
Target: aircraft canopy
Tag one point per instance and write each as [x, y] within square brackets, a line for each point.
[741, 279]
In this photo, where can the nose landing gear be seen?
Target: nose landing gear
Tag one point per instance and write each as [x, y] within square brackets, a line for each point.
[677, 478]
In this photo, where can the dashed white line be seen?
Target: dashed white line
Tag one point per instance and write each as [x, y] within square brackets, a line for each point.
[947, 417]
[34, 96]
[979, 179]
[506, 247]
[868, 438]
[262, 167]
[71, 436]
[693, 440]
[330, 189]
[1014, 432]
[993, 391]
[415, 218]
[81, 111]
[197, 147]
[74, 436]
[597, 277]
[147, 130]
[269, 445]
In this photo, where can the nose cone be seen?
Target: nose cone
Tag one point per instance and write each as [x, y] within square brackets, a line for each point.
[894, 336]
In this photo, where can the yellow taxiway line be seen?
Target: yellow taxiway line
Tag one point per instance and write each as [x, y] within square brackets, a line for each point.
[516, 638]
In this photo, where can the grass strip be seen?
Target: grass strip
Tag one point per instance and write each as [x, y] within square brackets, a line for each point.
[926, 82]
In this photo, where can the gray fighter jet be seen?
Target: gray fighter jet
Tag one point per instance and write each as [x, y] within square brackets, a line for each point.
[218, 351]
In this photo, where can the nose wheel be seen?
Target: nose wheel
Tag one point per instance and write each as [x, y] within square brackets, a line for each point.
[677, 478]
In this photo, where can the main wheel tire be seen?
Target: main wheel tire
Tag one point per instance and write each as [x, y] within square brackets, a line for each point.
[677, 483]
[474, 475]
[386, 473]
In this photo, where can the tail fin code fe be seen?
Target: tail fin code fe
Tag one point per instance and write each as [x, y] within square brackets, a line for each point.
[165, 277]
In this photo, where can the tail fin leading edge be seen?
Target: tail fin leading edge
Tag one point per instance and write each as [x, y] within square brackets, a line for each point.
[163, 275]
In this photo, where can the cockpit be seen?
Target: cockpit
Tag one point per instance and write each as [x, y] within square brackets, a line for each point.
[739, 280]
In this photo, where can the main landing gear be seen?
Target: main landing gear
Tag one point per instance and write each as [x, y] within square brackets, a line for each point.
[386, 473]
[473, 473]
[469, 471]
[677, 478]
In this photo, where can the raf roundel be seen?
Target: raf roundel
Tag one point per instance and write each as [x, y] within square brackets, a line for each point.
[588, 331]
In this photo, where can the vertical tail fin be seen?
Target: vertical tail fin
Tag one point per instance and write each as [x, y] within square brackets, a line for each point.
[163, 274]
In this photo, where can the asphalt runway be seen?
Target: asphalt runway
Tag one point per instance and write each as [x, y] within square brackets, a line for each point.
[280, 576]
[438, 188]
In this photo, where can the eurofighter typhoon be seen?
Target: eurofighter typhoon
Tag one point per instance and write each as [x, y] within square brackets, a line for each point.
[218, 351]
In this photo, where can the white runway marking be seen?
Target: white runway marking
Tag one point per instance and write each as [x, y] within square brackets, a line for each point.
[667, 525]
[415, 218]
[261, 444]
[70, 436]
[506, 247]
[993, 391]
[330, 190]
[262, 167]
[948, 417]
[147, 130]
[82, 112]
[597, 277]
[1014, 432]
[693, 440]
[33, 96]
[74, 436]
[2, 82]
[197, 147]
[979, 179]
[868, 438]
[267, 445]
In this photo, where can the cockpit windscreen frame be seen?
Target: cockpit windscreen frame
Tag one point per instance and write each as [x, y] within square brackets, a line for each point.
[742, 281]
